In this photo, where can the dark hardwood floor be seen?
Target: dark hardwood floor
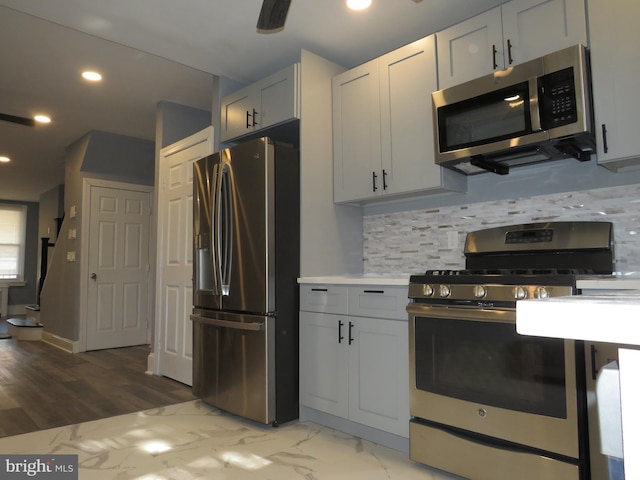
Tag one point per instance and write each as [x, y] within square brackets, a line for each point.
[43, 387]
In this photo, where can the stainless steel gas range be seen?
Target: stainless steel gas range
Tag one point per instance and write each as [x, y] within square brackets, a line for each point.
[487, 403]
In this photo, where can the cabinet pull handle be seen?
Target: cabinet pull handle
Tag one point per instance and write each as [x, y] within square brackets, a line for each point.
[373, 291]
[384, 179]
[350, 336]
[509, 50]
[254, 117]
[340, 337]
[374, 181]
[319, 290]
[594, 370]
[605, 146]
[495, 52]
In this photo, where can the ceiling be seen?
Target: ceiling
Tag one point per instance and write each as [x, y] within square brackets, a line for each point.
[155, 50]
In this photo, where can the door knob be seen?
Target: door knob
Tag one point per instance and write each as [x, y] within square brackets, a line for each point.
[93, 276]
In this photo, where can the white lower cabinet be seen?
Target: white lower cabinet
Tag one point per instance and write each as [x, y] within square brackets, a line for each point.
[324, 375]
[356, 367]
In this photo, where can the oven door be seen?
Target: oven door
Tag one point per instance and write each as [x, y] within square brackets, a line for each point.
[470, 371]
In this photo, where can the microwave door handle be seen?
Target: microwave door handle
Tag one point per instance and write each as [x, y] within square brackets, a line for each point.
[534, 105]
[215, 234]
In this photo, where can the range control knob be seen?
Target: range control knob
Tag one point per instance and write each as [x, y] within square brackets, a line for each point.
[520, 293]
[543, 292]
[479, 291]
[445, 290]
[427, 290]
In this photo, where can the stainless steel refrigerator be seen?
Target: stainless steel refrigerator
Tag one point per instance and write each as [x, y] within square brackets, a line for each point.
[246, 225]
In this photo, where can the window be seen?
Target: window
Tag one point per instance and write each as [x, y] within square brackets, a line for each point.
[13, 225]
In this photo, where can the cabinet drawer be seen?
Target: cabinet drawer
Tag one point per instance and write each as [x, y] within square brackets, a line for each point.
[378, 302]
[324, 298]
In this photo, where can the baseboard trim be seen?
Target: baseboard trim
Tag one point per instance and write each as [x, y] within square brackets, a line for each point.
[69, 346]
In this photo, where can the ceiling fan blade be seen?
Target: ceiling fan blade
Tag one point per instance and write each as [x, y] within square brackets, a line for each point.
[273, 15]
[30, 122]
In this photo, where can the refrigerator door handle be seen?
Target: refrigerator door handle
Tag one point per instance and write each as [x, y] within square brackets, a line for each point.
[215, 227]
[227, 222]
[252, 326]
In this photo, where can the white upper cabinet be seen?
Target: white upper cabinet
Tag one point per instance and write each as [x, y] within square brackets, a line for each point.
[513, 33]
[383, 128]
[470, 49]
[266, 103]
[615, 67]
[356, 133]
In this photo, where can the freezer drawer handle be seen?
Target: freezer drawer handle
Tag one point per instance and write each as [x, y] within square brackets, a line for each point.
[254, 327]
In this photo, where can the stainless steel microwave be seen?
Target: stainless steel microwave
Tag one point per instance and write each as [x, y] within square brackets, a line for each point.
[529, 113]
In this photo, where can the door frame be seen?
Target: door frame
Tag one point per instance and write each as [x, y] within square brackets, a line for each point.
[85, 222]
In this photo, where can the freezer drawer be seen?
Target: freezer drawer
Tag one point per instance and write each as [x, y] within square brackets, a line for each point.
[233, 363]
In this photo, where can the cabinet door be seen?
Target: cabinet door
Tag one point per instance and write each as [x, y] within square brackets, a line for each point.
[379, 374]
[407, 79]
[356, 134]
[470, 49]
[265, 103]
[615, 66]
[323, 362]
[597, 355]
[278, 95]
[533, 28]
[236, 115]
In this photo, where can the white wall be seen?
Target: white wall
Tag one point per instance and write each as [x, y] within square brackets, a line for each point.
[330, 235]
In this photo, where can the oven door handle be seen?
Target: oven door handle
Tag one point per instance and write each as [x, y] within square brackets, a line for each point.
[478, 314]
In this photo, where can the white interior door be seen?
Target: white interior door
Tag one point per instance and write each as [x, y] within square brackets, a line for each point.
[174, 292]
[118, 260]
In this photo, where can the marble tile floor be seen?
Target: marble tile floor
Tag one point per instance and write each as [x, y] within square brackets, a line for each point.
[192, 440]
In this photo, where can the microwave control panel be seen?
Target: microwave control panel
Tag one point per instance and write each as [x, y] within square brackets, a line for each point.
[557, 97]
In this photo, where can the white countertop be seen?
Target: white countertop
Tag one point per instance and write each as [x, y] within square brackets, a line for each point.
[610, 283]
[356, 280]
[611, 317]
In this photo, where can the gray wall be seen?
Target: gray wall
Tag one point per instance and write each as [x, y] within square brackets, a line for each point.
[175, 122]
[51, 207]
[100, 155]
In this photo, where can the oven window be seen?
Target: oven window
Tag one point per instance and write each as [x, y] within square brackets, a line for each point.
[491, 364]
[495, 116]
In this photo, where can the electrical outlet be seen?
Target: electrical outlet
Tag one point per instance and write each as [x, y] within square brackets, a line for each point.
[71, 256]
[72, 234]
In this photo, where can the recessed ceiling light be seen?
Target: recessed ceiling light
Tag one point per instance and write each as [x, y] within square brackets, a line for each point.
[358, 4]
[92, 76]
[42, 119]
[5, 159]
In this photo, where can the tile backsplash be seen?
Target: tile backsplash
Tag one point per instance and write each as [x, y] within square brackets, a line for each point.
[413, 241]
